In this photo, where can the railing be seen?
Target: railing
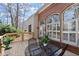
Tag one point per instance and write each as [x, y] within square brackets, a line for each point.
[1, 43]
[14, 36]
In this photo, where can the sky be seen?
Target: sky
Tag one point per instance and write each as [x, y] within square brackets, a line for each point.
[33, 8]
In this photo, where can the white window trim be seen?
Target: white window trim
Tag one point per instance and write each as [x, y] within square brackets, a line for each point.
[76, 32]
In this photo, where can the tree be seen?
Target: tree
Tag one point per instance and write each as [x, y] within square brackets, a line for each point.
[0, 21]
[16, 18]
[16, 11]
[9, 8]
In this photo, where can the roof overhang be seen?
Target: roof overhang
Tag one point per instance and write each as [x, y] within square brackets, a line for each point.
[43, 7]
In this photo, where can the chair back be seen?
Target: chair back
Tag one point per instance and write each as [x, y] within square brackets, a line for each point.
[31, 41]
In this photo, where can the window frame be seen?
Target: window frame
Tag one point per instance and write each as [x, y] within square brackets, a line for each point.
[76, 31]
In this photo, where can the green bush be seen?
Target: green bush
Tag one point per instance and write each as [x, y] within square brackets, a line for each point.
[1, 29]
[18, 30]
[8, 29]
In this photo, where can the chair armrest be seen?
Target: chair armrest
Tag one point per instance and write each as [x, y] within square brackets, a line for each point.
[36, 49]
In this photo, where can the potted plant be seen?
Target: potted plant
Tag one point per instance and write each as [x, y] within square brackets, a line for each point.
[6, 44]
[44, 40]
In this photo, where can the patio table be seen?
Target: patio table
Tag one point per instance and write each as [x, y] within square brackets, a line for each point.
[50, 49]
[35, 50]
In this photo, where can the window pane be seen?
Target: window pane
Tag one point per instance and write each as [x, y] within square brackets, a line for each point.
[49, 20]
[54, 26]
[72, 26]
[50, 34]
[65, 36]
[49, 27]
[54, 34]
[65, 27]
[72, 37]
[58, 26]
[69, 15]
[58, 35]
[56, 18]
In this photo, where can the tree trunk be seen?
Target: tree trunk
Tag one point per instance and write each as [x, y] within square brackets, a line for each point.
[16, 23]
[9, 10]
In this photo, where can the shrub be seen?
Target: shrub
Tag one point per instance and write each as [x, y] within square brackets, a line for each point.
[18, 30]
[8, 29]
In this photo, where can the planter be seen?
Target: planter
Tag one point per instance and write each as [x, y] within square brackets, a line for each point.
[45, 44]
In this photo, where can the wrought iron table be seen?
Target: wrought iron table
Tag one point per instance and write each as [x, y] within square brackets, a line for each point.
[35, 50]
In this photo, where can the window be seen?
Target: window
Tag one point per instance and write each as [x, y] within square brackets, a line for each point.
[56, 26]
[42, 27]
[53, 26]
[70, 24]
[69, 16]
[29, 28]
[42, 22]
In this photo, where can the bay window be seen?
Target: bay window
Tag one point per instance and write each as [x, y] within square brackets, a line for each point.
[71, 22]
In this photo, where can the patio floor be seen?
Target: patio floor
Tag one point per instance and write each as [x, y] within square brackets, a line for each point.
[19, 46]
[19, 49]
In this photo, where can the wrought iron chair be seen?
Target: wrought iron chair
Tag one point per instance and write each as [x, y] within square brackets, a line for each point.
[34, 48]
[61, 51]
[37, 49]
